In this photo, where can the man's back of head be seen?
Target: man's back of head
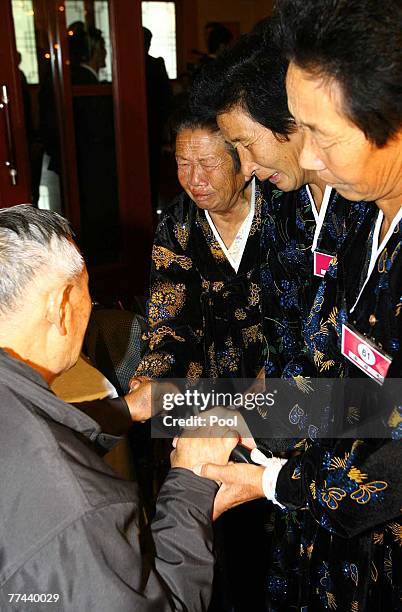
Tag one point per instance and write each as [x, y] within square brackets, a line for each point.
[41, 275]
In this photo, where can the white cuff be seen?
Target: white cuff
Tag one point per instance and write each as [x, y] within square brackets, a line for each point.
[270, 476]
[273, 466]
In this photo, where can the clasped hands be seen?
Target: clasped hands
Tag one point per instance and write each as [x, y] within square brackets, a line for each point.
[206, 450]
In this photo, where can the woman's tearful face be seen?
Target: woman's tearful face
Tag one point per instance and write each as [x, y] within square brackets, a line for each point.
[206, 171]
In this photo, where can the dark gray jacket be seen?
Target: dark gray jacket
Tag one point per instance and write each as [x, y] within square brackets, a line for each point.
[68, 523]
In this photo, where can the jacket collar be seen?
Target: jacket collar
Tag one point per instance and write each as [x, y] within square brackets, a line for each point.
[25, 382]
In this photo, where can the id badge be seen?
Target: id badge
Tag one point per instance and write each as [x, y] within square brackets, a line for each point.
[321, 263]
[364, 354]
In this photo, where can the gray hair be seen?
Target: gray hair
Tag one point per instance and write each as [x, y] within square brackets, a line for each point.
[33, 242]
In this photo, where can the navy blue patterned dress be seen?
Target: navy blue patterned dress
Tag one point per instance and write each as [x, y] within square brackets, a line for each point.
[338, 545]
[288, 282]
[289, 286]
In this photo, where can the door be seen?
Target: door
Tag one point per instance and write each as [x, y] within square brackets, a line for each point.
[14, 175]
[83, 138]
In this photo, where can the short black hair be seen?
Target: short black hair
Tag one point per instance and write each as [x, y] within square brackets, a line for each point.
[252, 76]
[218, 35]
[82, 41]
[184, 118]
[357, 43]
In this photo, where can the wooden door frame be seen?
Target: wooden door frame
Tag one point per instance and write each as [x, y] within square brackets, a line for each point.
[21, 192]
[130, 116]
[131, 127]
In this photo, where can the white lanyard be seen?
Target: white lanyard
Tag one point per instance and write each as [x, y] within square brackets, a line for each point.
[234, 258]
[377, 250]
[319, 216]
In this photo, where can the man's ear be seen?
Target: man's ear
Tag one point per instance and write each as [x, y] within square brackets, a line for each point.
[58, 306]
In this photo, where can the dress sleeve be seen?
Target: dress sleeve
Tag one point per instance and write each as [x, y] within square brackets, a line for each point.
[349, 488]
[174, 309]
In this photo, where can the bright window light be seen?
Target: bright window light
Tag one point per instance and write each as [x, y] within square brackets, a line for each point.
[160, 18]
[23, 15]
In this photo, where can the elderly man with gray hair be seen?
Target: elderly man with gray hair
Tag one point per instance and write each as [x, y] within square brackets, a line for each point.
[69, 532]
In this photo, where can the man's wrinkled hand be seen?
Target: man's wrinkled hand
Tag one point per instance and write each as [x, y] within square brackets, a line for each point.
[202, 445]
[228, 414]
[241, 482]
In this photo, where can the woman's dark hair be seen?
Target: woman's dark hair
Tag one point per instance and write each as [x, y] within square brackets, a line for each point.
[358, 44]
[183, 118]
[251, 75]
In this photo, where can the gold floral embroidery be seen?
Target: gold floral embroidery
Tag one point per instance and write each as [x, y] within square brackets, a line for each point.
[262, 411]
[157, 336]
[229, 359]
[194, 371]
[388, 565]
[296, 474]
[240, 314]
[353, 414]
[213, 285]
[163, 258]
[398, 309]
[181, 232]
[252, 334]
[155, 364]
[326, 365]
[363, 494]
[333, 316]
[356, 445]
[373, 572]
[395, 418]
[213, 244]
[217, 286]
[216, 251]
[302, 444]
[256, 223]
[332, 496]
[354, 606]
[331, 601]
[354, 573]
[303, 383]
[313, 489]
[213, 368]
[317, 356]
[378, 538]
[396, 529]
[356, 475]
[254, 296]
[398, 246]
[382, 261]
[337, 463]
[167, 299]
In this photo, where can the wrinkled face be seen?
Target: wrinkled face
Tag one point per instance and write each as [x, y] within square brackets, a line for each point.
[335, 147]
[260, 152]
[205, 170]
